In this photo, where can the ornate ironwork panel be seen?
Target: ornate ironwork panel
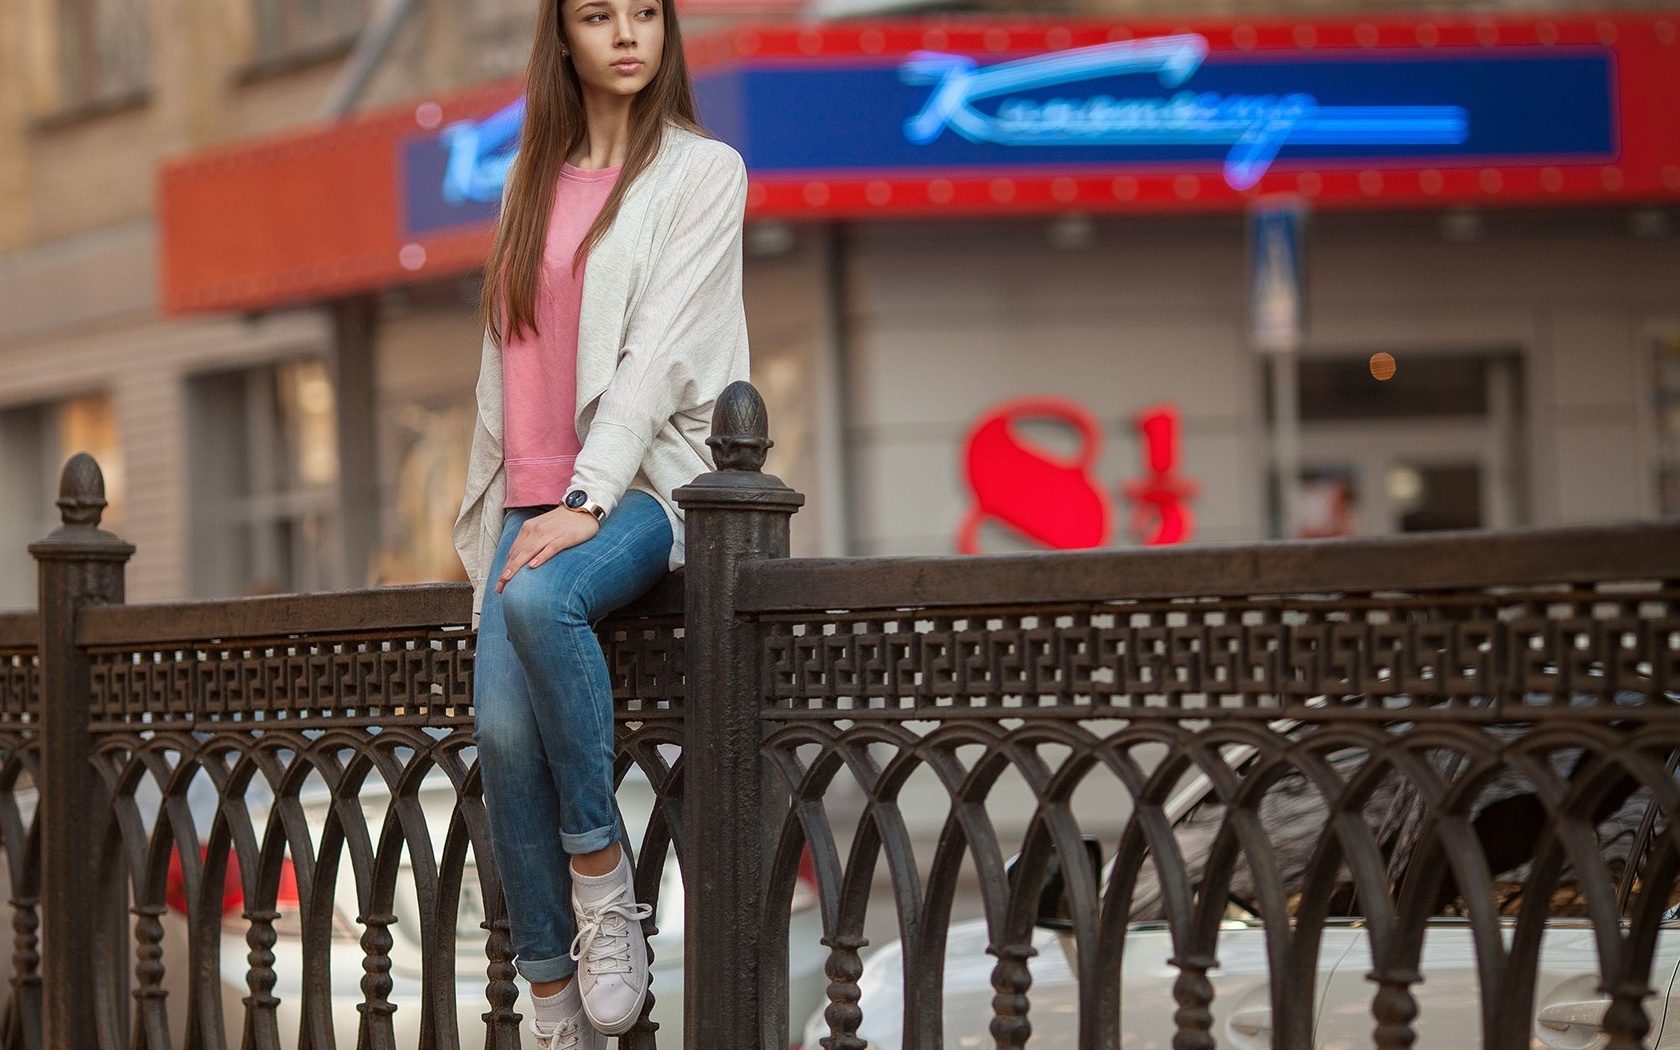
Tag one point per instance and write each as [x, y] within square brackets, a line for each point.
[20, 704]
[408, 676]
[20, 686]
[20, 669]
[20, 867]
[1432, 654]
[645, 656]
[296, 822]
[422, 677]
[1235, 816]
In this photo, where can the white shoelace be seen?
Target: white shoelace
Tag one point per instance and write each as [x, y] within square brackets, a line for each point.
[564, 1037]
[602, 943]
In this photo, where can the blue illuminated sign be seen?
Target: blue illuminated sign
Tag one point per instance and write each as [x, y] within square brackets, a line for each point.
[1104, 108]
[1254, 126]
[480, 153]
[1160, 104]
[456, 177]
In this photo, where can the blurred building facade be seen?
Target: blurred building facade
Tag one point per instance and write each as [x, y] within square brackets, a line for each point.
[209, 427]
[314, 435]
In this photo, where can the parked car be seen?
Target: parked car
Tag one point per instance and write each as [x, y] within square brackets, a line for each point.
[1569, 1008]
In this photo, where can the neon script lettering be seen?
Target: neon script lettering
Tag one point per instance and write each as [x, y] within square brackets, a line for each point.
[1255, 127]
[1053, 500]
[480, 153]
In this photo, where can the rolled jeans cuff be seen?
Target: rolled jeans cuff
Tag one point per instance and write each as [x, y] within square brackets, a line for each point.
[543, 970]
[589, 841]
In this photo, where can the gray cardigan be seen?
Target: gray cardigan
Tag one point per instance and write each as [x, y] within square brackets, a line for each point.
[661, 331]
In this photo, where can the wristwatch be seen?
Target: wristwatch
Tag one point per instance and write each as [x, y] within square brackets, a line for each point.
[577, 499]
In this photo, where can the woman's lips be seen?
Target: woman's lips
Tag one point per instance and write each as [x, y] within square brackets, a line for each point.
[627, 65]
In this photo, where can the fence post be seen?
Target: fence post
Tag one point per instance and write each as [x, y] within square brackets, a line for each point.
[734, 515]
[79, 564]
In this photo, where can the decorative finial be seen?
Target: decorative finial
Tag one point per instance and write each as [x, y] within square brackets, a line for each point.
[740, 429]
[81, 492]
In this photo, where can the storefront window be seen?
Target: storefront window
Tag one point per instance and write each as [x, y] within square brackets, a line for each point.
[1433, 497]
[102, 50]
[292, 28]
[1667, 361]
[35, 440]
[1426, 387]
[1404, 441]
[264, 467]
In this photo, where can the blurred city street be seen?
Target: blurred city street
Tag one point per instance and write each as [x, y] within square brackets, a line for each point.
[239, 243]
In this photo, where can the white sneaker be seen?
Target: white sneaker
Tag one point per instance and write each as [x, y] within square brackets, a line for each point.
[574, 1033]
[609, 948]
[570, 1030]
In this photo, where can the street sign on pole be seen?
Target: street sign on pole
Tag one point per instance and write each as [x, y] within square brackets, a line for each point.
[1277, 326]
[1276, 268]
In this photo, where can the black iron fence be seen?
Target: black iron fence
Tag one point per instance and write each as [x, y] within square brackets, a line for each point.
[1431, 777]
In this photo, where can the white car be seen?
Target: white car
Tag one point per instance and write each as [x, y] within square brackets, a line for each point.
[807, 983]
[1568, 1005]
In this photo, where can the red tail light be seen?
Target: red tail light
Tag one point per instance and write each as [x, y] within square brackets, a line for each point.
[805, 894]
[233, 894]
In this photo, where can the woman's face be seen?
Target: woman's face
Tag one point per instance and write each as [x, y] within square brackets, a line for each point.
[616, 45]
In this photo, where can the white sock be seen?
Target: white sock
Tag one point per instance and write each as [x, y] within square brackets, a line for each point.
[594, 887]
[552, 1009]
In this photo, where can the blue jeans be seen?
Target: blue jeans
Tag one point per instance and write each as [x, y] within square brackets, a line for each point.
[542, 702]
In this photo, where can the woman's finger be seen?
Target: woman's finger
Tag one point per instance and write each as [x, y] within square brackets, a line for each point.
[558, 540]
[540, 547]
[554, 546]
[518, 557]
[540, 539]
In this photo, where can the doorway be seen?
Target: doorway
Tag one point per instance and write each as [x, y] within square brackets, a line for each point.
[1411, 442]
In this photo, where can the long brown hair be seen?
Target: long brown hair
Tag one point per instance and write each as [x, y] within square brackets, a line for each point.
[554, 126]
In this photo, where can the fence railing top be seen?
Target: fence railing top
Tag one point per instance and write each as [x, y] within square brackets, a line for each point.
[381, 609]
[334, 612]
[1643, 551]
[19, 630]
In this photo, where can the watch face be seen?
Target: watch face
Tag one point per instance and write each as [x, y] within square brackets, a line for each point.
[576, 498]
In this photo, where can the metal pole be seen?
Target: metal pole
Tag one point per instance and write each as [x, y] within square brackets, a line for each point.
[1277, 319]
[735, 515]
[837, 478]
[371, 44]
[355, 400]
[1286, 439]
[80, 564]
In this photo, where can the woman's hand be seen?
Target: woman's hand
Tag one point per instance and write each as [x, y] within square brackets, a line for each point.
[546, 535]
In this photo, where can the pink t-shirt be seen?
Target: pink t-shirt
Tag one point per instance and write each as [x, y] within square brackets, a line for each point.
[539, 371]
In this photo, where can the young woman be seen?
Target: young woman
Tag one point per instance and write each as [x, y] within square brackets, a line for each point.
[613, 315]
